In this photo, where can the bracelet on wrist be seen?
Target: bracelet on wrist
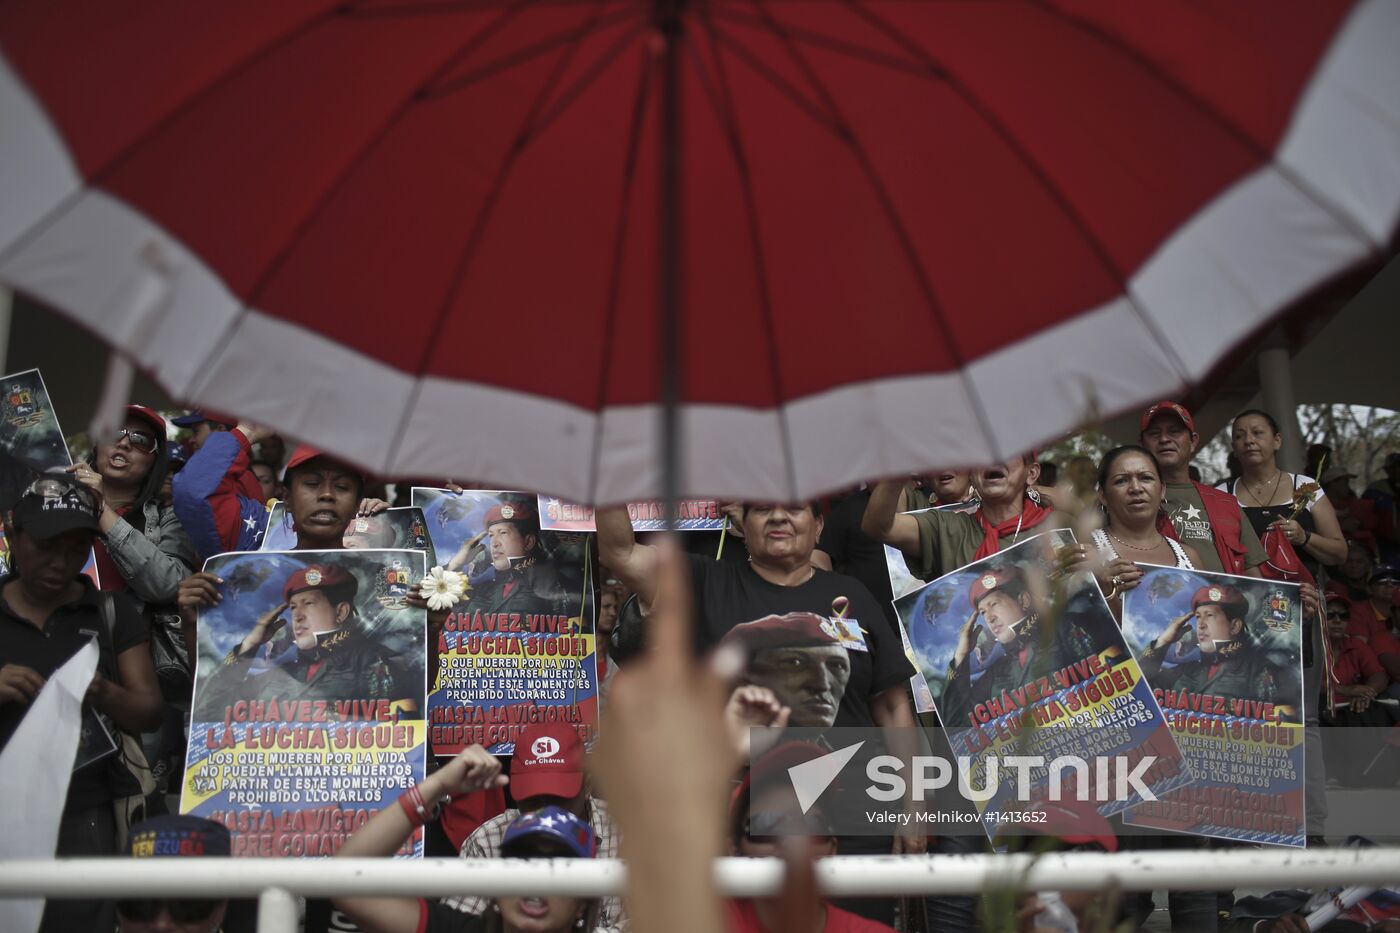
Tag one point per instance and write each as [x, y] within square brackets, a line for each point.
[418, 810]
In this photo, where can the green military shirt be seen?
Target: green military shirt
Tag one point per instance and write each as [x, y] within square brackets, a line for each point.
[1188, 515]
[949, 540]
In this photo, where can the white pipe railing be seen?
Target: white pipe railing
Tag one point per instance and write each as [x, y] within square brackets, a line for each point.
[272, 880]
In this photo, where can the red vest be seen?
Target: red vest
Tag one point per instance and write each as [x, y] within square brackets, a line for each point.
[1226, 522]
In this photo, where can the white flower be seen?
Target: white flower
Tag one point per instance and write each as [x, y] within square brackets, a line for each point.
[442, 588]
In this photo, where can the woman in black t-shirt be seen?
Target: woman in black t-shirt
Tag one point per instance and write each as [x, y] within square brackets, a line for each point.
[48, 611]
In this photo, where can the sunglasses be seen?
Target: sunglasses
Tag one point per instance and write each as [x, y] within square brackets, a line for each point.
[183, 910]
[770, 828]
[143, 441]
[58, 493]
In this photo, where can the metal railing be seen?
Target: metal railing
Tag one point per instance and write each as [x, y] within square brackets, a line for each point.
[278, 882]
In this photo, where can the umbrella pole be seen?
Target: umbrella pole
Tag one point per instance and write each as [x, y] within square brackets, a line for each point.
[667, 15]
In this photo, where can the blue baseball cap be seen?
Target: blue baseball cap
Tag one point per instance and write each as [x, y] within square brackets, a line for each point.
[163, 836]
[553, 823]
[188, 421]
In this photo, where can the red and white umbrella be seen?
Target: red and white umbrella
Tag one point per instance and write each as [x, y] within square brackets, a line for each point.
[427, 234]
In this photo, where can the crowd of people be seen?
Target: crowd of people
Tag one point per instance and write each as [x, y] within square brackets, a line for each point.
[156, 499]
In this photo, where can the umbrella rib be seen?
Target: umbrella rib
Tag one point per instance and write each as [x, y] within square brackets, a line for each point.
[483, 217]
[530, 52]
[478, 229]
[214, 84]
[572, 93]
[371, 142]
[768, 74]
[724, 108]
[639, 102]
[832, 44]
[1212, 113]
[896, 222]
[41, 225]
[1053, 189]
[367, 147]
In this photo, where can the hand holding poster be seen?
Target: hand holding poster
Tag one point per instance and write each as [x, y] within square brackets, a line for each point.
[1224, 656]
[519, 648]
[1022, 660]
[309, 694]
[902, 581]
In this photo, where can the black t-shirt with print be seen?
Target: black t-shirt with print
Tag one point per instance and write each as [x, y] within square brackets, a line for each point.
[854, 552]
[730, 594]
[46, 650]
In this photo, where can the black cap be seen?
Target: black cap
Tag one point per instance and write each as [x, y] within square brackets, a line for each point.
[54, 504]
[1383, 572]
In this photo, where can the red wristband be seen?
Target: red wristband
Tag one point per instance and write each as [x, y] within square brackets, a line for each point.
[414, 806]
[409, 810]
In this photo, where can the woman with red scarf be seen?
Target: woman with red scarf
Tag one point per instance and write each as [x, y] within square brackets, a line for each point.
[937, 542]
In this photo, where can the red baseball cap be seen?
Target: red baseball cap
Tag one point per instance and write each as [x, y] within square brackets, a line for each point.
[149, 415]
[775, 763]
[549, 759]
[1171, 408]
[1075, 822]
[305, 453]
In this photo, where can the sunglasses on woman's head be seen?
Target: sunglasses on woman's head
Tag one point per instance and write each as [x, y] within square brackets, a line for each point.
[143, 441]
[182, 910]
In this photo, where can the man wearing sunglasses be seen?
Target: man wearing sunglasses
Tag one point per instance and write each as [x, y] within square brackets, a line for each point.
[175, 837]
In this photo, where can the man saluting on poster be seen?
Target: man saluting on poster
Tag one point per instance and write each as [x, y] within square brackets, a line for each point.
[1224, 662]
[526, 581]
[328, 658]
[1027, 652]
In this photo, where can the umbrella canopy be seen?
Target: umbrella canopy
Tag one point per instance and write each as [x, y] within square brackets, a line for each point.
[428, 235]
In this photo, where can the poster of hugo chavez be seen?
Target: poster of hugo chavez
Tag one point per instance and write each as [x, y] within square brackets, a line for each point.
[308, 708]
[1023, 659]
[519, 648]
[1224, 657]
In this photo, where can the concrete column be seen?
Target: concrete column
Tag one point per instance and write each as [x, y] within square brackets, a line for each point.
[1276, 385]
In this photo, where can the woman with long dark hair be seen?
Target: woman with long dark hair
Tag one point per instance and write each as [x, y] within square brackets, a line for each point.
[142, 549]
[1271, 497]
